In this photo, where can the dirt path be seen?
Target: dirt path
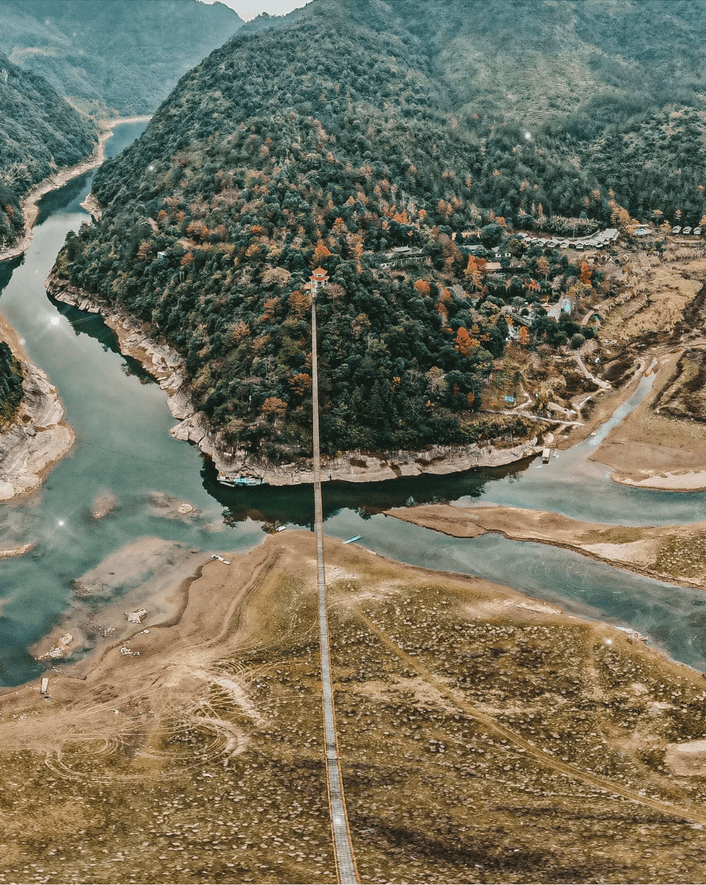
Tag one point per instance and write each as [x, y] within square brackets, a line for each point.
[604, 385]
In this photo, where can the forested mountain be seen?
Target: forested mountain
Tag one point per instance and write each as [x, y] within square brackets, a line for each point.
[350, 128]
[121, 56]
[39, 132]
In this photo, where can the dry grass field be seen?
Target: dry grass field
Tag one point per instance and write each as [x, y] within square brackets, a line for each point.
[484, 737]
[654, 301]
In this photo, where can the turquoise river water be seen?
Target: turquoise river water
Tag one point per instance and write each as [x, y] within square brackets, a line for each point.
[123, 448]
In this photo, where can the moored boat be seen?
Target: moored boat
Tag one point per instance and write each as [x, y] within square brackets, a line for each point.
[233, 481]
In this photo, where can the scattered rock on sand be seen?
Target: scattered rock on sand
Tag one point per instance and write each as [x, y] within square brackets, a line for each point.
[84, 590]
[61, 647]
[103, 505]
[170, 507]
[687, 759]
[149, 575]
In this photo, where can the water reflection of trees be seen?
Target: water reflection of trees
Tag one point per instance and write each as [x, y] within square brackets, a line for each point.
[7, 268]
[63, 198]
[91, 324]
[281, 505]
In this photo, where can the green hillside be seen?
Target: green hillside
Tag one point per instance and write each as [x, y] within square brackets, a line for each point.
[122, 56]
[39, 132]
[348, 129]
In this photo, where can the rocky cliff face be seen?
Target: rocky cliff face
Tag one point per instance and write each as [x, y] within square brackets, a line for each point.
[167, 367]
[37, 440]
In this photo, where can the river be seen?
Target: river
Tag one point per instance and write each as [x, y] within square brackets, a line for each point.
[123, 448]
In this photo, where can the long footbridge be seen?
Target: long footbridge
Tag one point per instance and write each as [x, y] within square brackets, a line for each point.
[343, 848]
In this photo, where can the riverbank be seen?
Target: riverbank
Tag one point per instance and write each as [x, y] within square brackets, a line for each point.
[30, 203]
[653, 451]
[167, 366]
[39, 437]
[505, 709]
[148, 579]
[676, 554]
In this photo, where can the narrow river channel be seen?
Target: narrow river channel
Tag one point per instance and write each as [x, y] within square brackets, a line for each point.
[123, 448]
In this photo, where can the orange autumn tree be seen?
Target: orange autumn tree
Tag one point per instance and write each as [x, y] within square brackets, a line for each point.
[299, 303]
[240, 331]
[273, 406]
[321, 253]
[464, 342]
[475, 269]
[300, 383]
[423, 288]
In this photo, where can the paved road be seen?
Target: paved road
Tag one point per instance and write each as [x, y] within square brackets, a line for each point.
[345, 861]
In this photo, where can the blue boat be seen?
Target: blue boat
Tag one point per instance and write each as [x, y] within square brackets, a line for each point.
[233, 481]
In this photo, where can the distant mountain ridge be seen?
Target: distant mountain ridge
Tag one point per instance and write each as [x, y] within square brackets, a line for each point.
[120, 57]
[61, 60]
[39, 132]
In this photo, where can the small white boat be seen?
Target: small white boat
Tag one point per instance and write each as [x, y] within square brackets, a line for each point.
[233, 481]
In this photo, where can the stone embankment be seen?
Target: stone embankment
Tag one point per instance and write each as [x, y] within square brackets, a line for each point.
[38, 438]
[168, 368]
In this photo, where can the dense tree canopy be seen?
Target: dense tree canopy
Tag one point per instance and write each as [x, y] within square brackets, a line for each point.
[348, 130]
[39, 132]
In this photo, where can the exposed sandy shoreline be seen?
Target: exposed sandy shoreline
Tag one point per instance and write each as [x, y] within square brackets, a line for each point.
[647, 450]
[39, 437]
[470, 705]
[638, 549]
[150, 575]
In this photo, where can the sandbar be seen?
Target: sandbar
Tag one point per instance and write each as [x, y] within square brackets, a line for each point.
[672, 553]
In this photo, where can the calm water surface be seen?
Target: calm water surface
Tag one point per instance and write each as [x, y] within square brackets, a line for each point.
[123, 448]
